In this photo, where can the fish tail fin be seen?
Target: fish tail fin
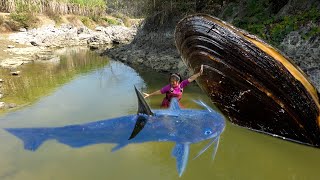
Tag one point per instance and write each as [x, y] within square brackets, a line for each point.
[32, 139]
[174, 104]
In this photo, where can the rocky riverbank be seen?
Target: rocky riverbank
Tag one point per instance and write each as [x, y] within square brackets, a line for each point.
[305, 53]
[40, 42]
[154, 48]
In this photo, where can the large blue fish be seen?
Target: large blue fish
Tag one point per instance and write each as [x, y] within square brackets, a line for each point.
[182, 126]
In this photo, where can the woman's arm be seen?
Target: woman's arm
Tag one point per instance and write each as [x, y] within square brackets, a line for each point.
[154, 93]
[195, 76]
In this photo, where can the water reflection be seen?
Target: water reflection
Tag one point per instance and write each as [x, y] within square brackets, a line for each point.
[39, 79]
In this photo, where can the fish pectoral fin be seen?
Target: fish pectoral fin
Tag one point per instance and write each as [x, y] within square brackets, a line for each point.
[117, 147]
[140, 123]
[181, 153]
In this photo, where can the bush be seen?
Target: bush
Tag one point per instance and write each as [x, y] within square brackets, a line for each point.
[314, 31]
[54, 16]
[14, 26]
[125, 19]
[111, 21]
[274, 29]
[88, 22]
[2, 20]
[26, 20]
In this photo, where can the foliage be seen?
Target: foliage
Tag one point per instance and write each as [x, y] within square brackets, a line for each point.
[88, 22]
[314, 31]
[25, 20]
[111, 21]
[2, 20]
[57, 6]
[125, 19]
[25, 7]
[265, 24]
[54, 16]
[89, 3]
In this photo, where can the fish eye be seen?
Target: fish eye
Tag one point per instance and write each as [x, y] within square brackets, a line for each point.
[208, 132]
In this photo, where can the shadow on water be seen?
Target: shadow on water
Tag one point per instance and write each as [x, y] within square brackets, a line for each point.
[39, 79]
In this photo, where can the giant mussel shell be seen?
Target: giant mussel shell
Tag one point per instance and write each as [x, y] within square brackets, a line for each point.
[252, 83]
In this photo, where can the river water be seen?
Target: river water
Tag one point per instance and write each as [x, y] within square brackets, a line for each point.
[84, 87]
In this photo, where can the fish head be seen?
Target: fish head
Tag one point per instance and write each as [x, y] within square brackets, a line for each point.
[198, 125]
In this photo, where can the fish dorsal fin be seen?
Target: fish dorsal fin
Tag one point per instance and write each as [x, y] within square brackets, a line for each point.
[140, 123]
[174, 104]
[181, 153]
[143, 106]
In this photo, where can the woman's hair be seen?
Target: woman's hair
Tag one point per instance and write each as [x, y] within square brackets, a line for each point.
[176, 76]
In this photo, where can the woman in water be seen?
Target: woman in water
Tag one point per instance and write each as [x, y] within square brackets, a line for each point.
[175, 88]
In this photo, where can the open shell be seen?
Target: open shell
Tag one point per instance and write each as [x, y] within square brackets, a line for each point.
[252, 83]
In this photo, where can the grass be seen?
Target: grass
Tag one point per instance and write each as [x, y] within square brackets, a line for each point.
[124, 18]
[90, 3]
[18, 20]
[55, 17]
[88, 22]
[111, 21]
[2, 20]
[275, 29]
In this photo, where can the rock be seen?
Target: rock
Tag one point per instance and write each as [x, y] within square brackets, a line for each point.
[1, 80]
[12, 63]
[99, 28]
[93, 47]
[11, 105]
[23, 30]
[10, 46]
[34, 43]
[15, 73]
[304, 52]
[2, 105]
[68, 35]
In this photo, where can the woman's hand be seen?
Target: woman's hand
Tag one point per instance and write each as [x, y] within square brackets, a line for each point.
[151, 94]
[146, 95]
[201, 70]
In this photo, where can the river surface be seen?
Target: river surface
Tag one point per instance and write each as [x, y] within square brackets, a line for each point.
[85, 87]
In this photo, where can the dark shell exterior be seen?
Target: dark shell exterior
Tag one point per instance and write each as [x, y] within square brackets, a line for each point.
[252, 83]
